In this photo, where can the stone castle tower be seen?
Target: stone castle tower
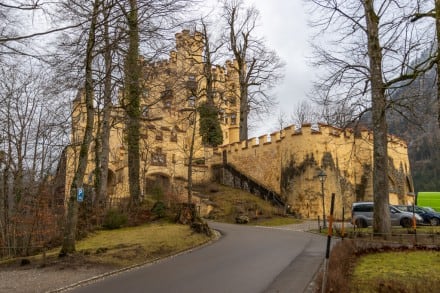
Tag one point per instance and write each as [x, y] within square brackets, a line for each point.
[172, 89]
[285, 163]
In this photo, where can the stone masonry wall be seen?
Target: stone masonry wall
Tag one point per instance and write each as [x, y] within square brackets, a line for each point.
[288, 163]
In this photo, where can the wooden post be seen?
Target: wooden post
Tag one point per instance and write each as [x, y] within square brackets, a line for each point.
[329, 238]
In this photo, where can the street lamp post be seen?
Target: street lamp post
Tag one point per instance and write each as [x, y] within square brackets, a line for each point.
[322, 176]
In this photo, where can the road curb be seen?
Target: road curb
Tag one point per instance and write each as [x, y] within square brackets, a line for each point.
[217, 236]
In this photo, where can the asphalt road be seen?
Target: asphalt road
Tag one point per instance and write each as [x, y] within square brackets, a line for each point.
[245, 259]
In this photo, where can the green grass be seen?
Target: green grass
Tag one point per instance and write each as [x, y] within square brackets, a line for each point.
[412, 271]
[130, 246]
[278, 221]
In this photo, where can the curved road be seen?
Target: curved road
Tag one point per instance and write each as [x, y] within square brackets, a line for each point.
[245, 259]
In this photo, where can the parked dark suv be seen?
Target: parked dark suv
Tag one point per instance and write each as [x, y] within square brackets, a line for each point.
[362, 214]
[429, 217]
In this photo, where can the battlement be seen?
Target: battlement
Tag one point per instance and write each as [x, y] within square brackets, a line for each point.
[290, 133]
[186, 38]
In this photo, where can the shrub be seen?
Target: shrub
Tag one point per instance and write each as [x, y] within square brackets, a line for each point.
[242, 219]
[114, 219]
[159, 209]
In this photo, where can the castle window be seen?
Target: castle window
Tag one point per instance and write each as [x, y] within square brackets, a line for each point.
[167, 103]
[233, 119]
[167, 93]
[232, 101]
[221, 115]
[145, 111]
[159, 135]
[191, 83]
[192, 101]
[145, 93]
[173, 137]
[158, 158]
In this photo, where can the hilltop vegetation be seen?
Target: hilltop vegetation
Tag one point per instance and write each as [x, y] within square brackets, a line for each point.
[418, 126]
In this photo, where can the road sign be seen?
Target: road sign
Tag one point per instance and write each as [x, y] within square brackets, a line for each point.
[80, 194]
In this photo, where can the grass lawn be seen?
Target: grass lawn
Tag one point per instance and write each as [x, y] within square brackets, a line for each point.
[278, 221]
[128, 246]
[133, 245]
[403, 271]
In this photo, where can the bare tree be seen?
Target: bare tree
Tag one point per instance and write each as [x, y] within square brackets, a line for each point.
[367, 55]
[258, 67]
[32, 125]
[303, 113]
[69, 239]
[23, 30]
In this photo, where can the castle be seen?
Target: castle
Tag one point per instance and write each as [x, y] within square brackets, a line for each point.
[286, 162]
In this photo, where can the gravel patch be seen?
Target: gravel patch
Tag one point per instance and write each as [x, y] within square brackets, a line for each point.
[45, 279]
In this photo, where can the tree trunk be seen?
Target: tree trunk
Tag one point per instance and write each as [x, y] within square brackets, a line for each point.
[102, 192]
[437, 26]
[190, 159]
[381, 224]
[69, 238]
[132, 94]
[244, 109]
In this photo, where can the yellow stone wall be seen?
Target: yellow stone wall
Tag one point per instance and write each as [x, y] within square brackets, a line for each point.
[289, 161]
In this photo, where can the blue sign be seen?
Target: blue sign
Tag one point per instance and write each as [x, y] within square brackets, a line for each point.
[80, 194]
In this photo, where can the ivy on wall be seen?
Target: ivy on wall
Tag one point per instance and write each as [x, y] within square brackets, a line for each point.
[210, 129]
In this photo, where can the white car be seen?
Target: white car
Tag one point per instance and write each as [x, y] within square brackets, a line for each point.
[362, 215]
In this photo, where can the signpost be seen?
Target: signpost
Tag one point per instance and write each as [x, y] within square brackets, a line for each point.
[80, 194]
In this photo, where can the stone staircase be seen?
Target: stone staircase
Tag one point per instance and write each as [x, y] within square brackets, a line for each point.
[229, 175]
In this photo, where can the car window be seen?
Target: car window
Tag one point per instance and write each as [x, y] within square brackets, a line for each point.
[363, 208]
[394, 210]
[419, 210]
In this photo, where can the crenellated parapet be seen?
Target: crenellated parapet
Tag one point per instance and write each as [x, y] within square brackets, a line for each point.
[288, 161]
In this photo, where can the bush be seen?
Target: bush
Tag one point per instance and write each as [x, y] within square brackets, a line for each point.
[159, 209]
[114, 219]
[201, 227]
[242, 219]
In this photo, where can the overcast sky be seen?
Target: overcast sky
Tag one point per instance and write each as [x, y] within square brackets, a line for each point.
[284, 26]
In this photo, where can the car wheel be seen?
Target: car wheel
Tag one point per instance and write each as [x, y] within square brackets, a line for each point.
[406, 222]
[360, 223]
[434, 221]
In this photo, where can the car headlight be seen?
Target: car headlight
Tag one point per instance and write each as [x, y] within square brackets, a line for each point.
[418, 217]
